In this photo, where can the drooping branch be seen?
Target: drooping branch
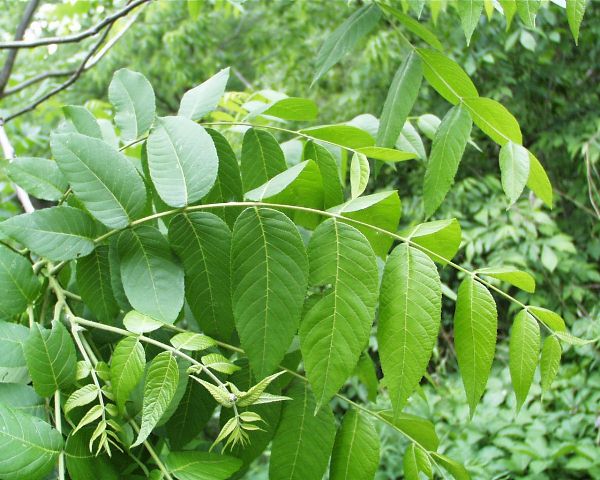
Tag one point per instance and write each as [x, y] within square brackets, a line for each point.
[12, 55]
[107, 22]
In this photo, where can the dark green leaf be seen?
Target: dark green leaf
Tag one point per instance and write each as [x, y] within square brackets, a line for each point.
[262, 158]
[93, 282]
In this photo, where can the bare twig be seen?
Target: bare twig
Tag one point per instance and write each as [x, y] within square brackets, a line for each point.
[12, 55]
[9, 153]
[107, 22]
[36, 79]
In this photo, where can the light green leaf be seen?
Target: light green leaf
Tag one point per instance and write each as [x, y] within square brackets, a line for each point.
[570, 339]
[94, 286]
[524, 349]
[182, 160]
[82, 396]
[192, 341]
[204, 98]
[83, 120]
[90, 416]
[18, 283]
[29, 446]
[40, 177]
[512, 275]
[303, 441]
[83, 464]
[416, 461]
[137, 322]
[469, 12]
[447, 150]
[183, 367]
[57, 233]
[111, 189]
[550, 361]
[262, 158]
[345, 37]
[346, 136]
[336, 323]
[429, 124]
[475, 325]
[510, 8]
[414, 26]
[538, 180]
[410, 141]
[551, 319]
[446, 76]
[133, 98]
[356, 449]
[126, 369]
[152, 278]
[409, 320]
[50, 356]
[494, 120]
[380, 209]
[359, 174]
[12, 339]
[219, 363]
[457, 470]
[293, 109]
[196, 465]
[514, 167]
[162, 379]
[388, 155]
[575, 12]
[332, 186]
[441, 238]
[203, 243]
[400, 100]
[269, 277]
[527, 10]
[416, 428]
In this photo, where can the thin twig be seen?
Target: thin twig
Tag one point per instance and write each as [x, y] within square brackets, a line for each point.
[107, 22]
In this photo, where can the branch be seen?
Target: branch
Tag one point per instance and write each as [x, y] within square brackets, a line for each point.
[107, 22]
[12, 55]
[9, 153]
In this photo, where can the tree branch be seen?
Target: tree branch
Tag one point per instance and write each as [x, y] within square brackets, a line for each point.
[9, 153]
[12, 55]
[108, 21]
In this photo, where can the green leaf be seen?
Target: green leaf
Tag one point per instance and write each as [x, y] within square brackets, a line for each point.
[510, 8]
[527, 11]
[38, 176]
[345, 37]
[126, 369]
[269, 277]
[356, 449]
[80, 397]
[441, 238]
[57, 233]
[457, 470]
[575, 12]
[538, 180]
[514, 167]
[551, 319]
[94, 286]
[469, 12]
[12, 339]
[332, 186]
[524, 349]
[303, 441]
[410, 141]
[203, 243]
[416, 428]
[429, 124]
[365, 371]
[381, 209]
[29, 447]
[409, 320]
[512, 275]
[51, 359]
[475, 325]
[204, 98]
[262, 158]
[112, 189]
[359, 174]
[550, 361]
[494, 120]
[446, 76]
[152, 278]
[293, 109]
[192, 341]
[346, 136]
[228, 185]
[219, 363]
[400, 99]
[336, 325]
[162, 379]
[83, 464]
[414, 26]
[416, 461]
[201, 465]
[137, 322]
[388, 155]
[90, 416]
[182, 160]
[133, 98]
[18, 283]
[83, 120]
[447, 150]
[22, 398]
[183, 368]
